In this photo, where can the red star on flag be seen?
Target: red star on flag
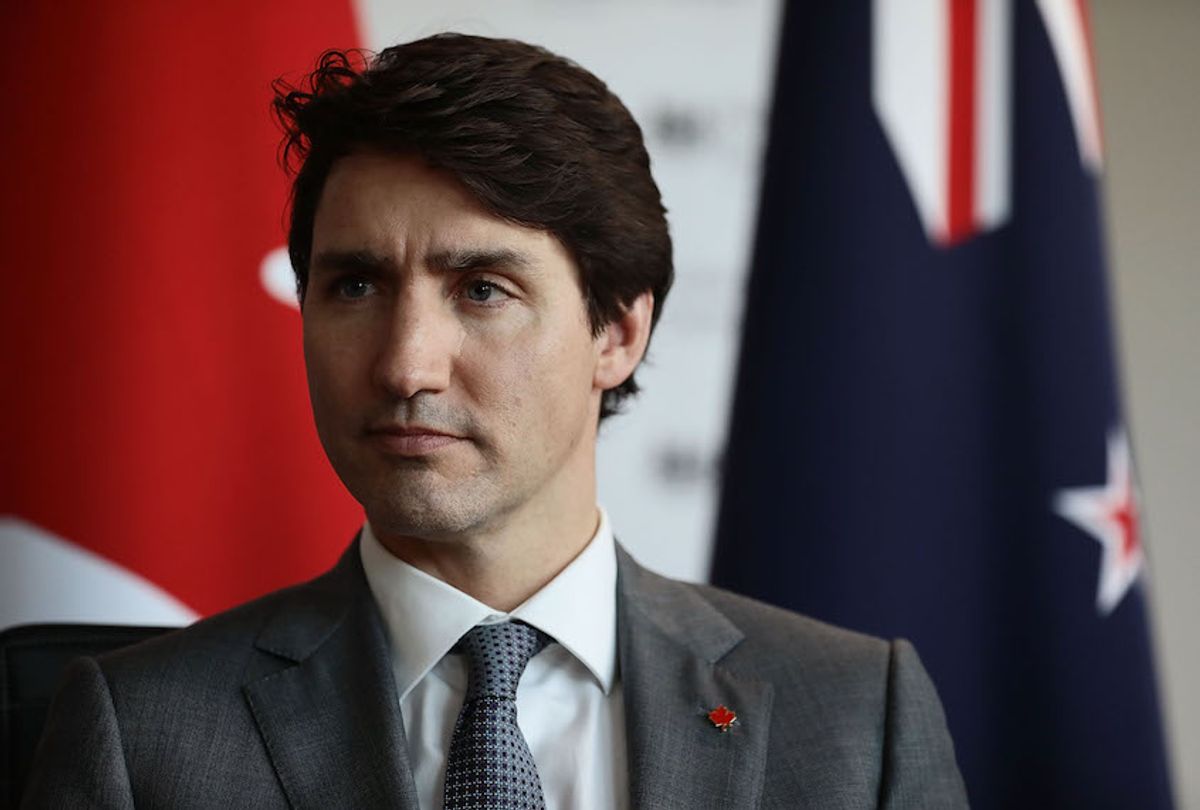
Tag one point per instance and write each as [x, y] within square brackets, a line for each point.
[1110, 514]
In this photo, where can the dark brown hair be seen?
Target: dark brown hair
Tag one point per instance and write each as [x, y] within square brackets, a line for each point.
[537, 139]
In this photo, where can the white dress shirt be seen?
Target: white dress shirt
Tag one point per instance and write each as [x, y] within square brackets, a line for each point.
[569, 704]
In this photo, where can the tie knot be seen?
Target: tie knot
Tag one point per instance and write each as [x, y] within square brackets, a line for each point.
[497, 655]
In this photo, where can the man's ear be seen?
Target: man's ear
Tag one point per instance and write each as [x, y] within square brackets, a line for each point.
[623, 342]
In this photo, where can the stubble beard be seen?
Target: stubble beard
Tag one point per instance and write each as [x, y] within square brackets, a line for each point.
[422, 504]
[428, 498]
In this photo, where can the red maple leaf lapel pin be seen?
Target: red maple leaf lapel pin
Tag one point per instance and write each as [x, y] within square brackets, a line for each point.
[723, 717]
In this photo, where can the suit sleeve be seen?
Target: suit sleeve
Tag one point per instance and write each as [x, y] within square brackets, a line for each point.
[79, 761]
[919, 769]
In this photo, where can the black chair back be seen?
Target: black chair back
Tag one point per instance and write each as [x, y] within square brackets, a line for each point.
[32, 660]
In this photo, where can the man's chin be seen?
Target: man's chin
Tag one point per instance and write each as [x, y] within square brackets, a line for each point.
[426, 518]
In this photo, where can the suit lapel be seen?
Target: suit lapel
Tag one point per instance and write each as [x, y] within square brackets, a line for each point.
[671, 643]
[325, 699]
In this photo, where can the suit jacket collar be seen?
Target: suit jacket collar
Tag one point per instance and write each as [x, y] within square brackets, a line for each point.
[672, 643]
[326, 702]
[326, 705]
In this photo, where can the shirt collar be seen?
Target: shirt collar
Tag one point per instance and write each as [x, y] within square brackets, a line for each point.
[425, 617]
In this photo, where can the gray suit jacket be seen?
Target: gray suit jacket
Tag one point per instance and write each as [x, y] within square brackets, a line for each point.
[289, 701]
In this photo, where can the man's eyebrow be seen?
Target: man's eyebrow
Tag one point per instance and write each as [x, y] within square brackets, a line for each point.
[357, 261]
[468, 259]
[462, 260]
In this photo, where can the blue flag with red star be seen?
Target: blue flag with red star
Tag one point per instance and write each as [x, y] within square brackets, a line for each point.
[927, 438]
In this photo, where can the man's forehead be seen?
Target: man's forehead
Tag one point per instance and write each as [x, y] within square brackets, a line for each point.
[397, 208]
[366, 187]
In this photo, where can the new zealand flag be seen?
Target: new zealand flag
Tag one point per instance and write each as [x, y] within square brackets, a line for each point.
[927, 438]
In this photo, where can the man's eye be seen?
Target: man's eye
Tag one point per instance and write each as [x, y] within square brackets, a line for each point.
[483, 291]
[353, 287]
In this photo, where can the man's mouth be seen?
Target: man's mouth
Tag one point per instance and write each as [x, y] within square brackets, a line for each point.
[410, 441]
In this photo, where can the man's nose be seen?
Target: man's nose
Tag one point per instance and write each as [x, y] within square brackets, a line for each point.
[419, 349]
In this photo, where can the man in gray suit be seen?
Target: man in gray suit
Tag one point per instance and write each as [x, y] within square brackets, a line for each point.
[481, 255]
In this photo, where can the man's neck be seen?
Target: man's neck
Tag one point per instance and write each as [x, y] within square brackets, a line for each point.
[505, 565]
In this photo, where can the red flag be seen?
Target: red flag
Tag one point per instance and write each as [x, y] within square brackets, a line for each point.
[155, 412]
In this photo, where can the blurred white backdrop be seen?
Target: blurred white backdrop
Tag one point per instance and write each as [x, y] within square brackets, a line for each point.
[1147, 61]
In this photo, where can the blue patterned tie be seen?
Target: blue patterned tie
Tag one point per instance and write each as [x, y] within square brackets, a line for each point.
[490, 766]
